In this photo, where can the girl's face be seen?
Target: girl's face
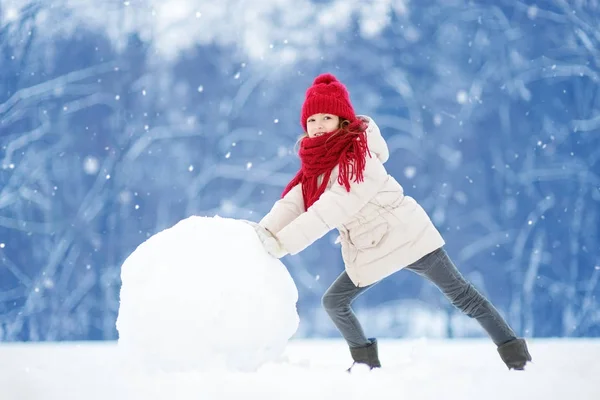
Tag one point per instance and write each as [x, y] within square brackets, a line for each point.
[319, 124]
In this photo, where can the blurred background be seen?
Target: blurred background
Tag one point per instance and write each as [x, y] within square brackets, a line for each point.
[120, 118]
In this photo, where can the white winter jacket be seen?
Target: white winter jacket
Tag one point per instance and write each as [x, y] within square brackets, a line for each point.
[381, 229]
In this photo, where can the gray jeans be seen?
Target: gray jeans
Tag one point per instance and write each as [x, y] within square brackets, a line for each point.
[437, 268]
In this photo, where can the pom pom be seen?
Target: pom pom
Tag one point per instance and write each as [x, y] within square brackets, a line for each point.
[325, 78]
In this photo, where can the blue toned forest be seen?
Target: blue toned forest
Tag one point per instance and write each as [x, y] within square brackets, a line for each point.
[120, 118]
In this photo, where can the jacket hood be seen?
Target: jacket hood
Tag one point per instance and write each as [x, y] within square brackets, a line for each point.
[376, 142]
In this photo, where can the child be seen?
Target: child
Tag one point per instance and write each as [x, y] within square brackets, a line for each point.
[343, 184]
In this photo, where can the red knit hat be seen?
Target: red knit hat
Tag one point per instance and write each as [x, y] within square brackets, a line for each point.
[327, 95]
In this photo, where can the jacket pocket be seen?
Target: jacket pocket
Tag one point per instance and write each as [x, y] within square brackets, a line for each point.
[371, 238]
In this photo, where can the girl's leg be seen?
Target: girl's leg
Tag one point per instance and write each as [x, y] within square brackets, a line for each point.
[336, 301]
[439, 269]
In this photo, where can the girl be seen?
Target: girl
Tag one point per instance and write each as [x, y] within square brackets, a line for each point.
[343, 184]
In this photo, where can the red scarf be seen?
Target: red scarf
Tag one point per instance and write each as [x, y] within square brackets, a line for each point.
[321, 154]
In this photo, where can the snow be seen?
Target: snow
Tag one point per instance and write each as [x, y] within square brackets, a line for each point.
[206, 313]
[460, 89]
[204, 294]
[267, 30]
[312, 369]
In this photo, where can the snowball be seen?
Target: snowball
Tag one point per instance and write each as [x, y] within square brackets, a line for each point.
[204, 294]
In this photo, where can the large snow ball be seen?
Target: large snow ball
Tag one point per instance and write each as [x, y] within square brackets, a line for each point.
[205, 294]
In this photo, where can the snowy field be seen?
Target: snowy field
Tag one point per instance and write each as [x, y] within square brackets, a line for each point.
[311, 369]
[235, 339]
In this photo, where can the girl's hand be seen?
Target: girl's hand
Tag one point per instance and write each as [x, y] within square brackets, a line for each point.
[269, 241]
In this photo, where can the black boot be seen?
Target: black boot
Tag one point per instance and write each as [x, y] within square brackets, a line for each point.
[366, 355]
[515, 354]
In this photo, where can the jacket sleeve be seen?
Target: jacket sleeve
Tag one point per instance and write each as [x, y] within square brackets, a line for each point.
[334, 207]
[284, 210]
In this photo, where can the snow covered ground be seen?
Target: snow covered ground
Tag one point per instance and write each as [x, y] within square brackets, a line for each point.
[175, 331]
[311, 369]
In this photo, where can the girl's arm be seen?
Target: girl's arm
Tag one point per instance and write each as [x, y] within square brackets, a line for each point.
[284, 210]
[334, 207]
